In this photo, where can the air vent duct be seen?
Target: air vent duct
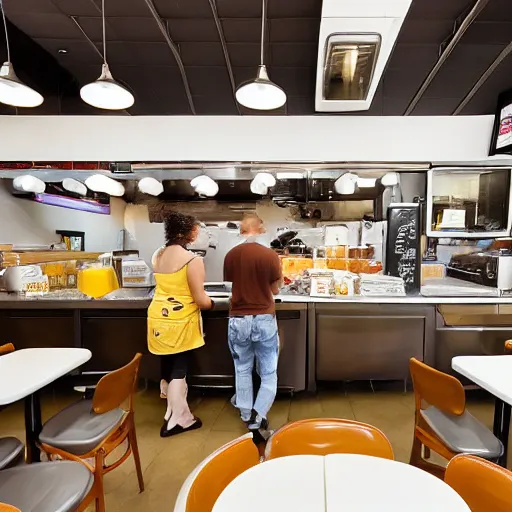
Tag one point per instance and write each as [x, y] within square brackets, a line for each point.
[356, 41]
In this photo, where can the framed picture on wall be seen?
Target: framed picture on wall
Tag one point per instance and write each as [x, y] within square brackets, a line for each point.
[501, 141]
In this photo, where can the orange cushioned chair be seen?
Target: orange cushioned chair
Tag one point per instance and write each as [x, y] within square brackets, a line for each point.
[94, 428]
[205, 484]
[484, 486]
[6, 349]
[443, 424]
[8, 508]
[327, 436]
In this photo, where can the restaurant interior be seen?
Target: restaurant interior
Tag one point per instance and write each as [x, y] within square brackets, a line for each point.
[373, 139]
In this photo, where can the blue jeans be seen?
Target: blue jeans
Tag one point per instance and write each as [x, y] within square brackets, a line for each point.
[253, 338]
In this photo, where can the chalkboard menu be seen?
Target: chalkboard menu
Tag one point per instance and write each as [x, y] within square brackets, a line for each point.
[403, 258]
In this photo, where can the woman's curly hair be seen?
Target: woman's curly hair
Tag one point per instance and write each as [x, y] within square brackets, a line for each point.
[179, 229]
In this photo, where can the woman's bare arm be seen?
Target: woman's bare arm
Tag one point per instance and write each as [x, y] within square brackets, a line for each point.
[195, 276]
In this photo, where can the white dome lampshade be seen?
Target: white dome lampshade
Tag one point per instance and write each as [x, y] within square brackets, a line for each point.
[262, 182]
[101, 183]
[29, 183]
[261, 93]
[74, 186]
[151, 186]
[106, 93]
[346, 184]
[204, 186]
[14, 92]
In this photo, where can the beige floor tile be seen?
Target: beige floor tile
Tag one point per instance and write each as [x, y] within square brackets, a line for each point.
[336, 404]
[304, 407]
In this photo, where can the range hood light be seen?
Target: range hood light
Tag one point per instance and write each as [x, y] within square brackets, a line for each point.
[366, 182]
[262, 182]
[75, 186]
[390, 179]
[204, 186]
[104, 184]
[29, 183]
[151, 186]
[346, 184]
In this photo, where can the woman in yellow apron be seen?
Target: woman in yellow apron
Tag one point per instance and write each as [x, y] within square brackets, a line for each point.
[174, 317]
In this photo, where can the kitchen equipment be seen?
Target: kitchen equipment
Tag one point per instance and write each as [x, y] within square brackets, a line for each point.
[492, 268]
[117, 260]
[25, 279]
[135, 273]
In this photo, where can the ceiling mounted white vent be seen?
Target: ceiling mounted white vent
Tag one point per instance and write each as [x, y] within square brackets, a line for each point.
[356, 41]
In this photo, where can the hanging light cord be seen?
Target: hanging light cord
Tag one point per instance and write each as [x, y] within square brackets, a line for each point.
[6, 34]
[104, 31]
[263, 20]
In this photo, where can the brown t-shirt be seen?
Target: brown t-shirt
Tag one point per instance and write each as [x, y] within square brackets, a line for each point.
[252, 268]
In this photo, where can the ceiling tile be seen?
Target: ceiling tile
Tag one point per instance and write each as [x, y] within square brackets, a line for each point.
[208, 81]
[242, 30]
[73, 7]
[298, 30]
[294, 9]
[290, 54]
[239, 8]
[197, 30]
[300, 105]
[214, 105]
[398, 83]
[144, 54]
[439, 10]
[246, 54]
[23, 6]
[78, 52]
[84, 73]
[122, 29]
[202, 54]
[244, 74]
[41, 25]
[182, 8]
[425, 31]
[497, 10]
[436, 106]
[406, 56]
[486, 33]
[295, 81]
[124, 7]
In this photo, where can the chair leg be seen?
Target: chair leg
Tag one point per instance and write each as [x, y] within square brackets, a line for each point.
[415, 452]
[426, 452]
[98, 482]
[132, 437]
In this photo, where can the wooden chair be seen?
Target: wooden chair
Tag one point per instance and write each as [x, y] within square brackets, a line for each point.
[8, 508]
[484, 486]
[327, 436]
[442, 423]
[6, 349]
[94, 428]
[205, 484]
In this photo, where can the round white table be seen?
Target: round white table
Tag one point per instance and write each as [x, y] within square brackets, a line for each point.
[338, 483]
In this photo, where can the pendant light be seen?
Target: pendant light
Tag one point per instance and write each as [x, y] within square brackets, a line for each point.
[12, 90]
[105, 92]
[261, 93]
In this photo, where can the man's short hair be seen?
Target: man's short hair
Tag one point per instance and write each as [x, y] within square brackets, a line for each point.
[251, 223]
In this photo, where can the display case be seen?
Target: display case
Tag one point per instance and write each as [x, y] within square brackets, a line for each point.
[469, 202]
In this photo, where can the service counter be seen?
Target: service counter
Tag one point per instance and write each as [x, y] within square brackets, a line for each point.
[321, 339]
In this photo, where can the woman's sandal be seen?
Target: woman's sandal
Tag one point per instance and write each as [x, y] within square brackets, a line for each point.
[163, 389]
[178, 429]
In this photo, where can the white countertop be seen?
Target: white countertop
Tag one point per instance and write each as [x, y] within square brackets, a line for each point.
[26, 371]
[409, 299]
[492, 373]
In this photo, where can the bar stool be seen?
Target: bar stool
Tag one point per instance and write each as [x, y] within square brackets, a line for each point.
[92, 429]
[11, 452]
[45, 487]
[443, 424]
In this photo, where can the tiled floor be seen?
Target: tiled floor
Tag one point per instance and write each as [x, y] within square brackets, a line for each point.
[167, 462]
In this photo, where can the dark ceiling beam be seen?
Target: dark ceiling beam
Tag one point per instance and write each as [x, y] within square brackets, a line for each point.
[485, 75]
[218, 24]
[447, 51]
[175, 51]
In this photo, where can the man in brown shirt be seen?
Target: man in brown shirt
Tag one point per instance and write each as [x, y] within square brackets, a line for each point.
[255, 272]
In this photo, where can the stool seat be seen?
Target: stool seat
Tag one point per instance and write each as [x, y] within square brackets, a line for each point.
[78, 429]
[11, 452]
[46, 486]
[463, 434]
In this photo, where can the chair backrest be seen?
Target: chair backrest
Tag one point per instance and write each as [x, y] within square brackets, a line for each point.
[484, 486]
[8, 508]
[6, 349]
[116, 387]
[205, 484]
[437, 388]
[326, 436]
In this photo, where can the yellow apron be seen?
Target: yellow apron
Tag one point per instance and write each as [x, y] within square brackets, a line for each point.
[174, 319]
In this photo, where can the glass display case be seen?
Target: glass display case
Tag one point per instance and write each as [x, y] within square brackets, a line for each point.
[469, 202]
